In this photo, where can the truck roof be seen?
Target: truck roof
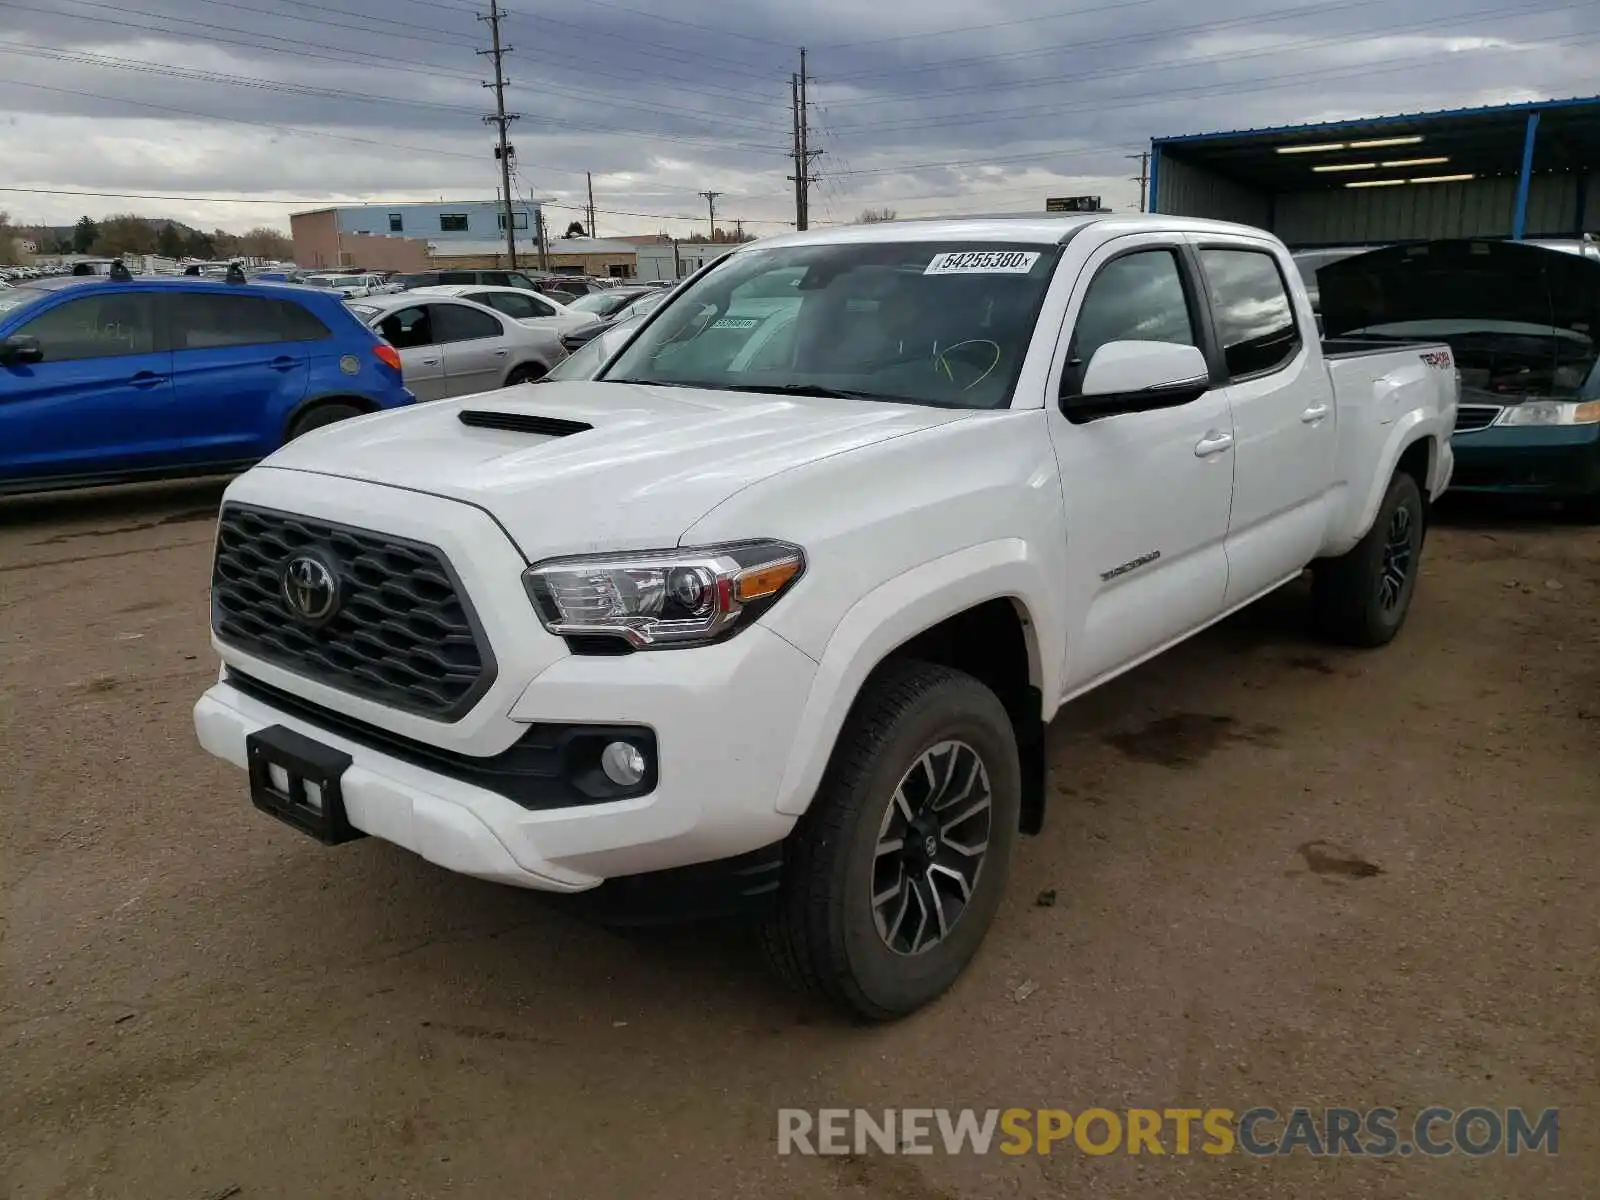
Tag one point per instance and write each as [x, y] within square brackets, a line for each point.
[1005, 227]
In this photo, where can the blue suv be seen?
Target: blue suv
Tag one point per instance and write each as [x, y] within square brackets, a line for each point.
[122, 378]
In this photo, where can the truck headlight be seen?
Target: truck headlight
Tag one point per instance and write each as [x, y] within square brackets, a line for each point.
[1550, 412]
[659, 599]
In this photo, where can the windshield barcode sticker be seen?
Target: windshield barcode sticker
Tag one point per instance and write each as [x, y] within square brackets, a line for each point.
[735, 323]
[983, 262]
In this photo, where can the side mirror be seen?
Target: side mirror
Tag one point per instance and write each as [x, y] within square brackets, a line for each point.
[21, 348]
[1125, 377]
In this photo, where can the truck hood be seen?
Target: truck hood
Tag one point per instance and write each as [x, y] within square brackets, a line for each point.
[569, 468]
[1461, 281]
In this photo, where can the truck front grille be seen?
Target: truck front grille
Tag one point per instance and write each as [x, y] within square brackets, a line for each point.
[398, 629]
[1475, 416]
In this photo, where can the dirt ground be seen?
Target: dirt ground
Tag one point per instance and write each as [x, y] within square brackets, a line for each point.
[1283, 875]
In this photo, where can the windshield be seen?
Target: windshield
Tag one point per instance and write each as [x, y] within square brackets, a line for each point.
[585, 362]
[600, 304]
[916, 322]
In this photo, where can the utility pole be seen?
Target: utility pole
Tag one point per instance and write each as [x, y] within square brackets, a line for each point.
[738, 229]
[501, 119]
[589, 228]
[711, 208]
[1143, 177]
[802, 152]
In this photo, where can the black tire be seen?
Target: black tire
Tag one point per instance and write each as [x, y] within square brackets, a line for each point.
[323, 414]
[1356, 599]
[527, 373]
[825, 936]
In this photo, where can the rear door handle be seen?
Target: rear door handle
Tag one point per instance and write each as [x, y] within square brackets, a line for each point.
[1314, 414]
[283, 363]
[1212, 443]
[147, 379]
[430, 362]
[501, 353]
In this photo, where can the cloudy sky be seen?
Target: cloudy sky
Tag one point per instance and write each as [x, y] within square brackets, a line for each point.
[250, 109]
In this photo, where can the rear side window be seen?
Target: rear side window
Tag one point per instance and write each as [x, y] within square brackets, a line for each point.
[408, 328]
[1250, 302]
[493, 278]
[514, 304]
[1136, 298]
[207, 321]
[458, 323]
[100, 326]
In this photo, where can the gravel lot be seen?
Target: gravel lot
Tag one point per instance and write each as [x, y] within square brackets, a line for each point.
[1284, 875]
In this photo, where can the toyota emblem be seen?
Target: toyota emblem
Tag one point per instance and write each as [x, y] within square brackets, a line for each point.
[310, 588]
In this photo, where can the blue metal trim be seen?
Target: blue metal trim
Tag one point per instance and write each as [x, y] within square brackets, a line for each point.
[1519, 220]
[1354, 122]
[1155, 176]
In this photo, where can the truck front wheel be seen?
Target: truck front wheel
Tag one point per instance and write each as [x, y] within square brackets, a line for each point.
[893, 876]
[1361, 598]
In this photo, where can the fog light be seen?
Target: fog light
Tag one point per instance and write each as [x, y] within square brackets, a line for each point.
[623, 763]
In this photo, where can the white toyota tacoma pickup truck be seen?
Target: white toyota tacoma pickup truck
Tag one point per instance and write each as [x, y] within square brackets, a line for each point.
[775, 609]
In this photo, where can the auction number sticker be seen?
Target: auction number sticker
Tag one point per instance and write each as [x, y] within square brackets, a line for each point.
[982, 262]
[735, 323]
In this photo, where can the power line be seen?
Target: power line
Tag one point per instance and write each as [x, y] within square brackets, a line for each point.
[1228, 56]
[1119, 6]
[1239, 87]
[303, 49]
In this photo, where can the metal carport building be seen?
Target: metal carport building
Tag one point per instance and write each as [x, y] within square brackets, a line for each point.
[1515, 170]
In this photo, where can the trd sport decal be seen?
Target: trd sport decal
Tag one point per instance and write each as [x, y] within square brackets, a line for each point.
[1144, 560]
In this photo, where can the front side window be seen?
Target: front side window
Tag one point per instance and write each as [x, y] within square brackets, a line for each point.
[452, 222]
[919, 322]
[101, 326]
[458, 323]
[1255, 319]
[1136, 298]
[408, 328]
[202, 321]
[517, 279]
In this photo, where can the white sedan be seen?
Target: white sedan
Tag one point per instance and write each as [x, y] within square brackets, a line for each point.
[530, 308]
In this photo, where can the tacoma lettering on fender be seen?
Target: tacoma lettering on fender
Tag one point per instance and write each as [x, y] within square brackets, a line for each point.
[774, 610]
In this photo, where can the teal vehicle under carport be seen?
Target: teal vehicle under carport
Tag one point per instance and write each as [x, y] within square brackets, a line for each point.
[1523, 323]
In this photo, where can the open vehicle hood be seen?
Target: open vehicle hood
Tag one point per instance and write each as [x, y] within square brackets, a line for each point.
[1462, 280]
[569, 468]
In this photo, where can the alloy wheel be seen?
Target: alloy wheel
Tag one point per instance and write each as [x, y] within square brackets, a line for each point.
[931, 847]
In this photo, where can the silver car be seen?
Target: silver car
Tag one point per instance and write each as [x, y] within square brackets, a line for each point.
[530, 308]
[452, 347]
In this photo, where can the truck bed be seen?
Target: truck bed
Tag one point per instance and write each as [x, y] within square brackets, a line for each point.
[1355, 347]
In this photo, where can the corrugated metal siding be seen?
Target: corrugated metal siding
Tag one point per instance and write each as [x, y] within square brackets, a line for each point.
[1475, 208]
[1184, 190]
[1590, 220]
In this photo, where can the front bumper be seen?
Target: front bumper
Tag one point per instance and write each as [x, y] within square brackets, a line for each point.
[723, 717]
[1558, 462]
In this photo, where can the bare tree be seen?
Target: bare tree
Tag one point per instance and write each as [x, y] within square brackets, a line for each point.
[873, 216]
[10, 252]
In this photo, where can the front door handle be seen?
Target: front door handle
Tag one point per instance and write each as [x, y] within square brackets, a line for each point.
[1213, 443]
[147, 379]
[1315, 413]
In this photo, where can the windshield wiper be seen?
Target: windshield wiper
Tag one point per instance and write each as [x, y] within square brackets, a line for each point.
[809, 389]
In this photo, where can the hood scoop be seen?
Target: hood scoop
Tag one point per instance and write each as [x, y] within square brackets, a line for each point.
[515, 422]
